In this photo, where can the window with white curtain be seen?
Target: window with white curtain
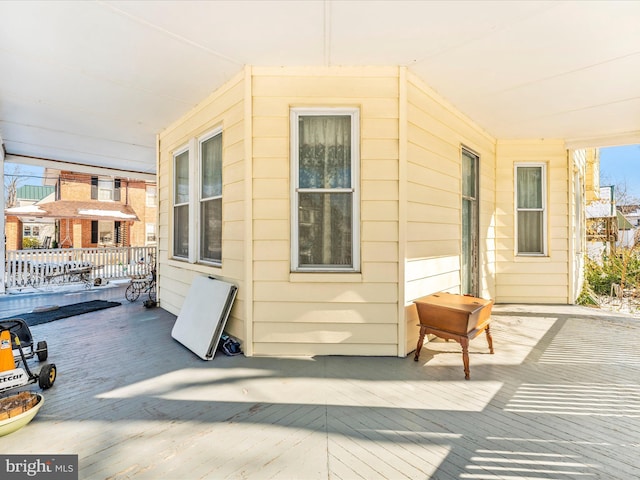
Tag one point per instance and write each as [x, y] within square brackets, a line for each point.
[211, 198]
[531, 209]
[325, 196]
[181, 204]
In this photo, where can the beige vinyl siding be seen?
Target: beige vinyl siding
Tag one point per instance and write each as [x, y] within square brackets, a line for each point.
[533, 279]
[325, 313]
[436, 131]
[410, 211]
[224, 108]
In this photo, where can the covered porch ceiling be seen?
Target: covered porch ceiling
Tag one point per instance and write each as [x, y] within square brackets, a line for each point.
[93, 82]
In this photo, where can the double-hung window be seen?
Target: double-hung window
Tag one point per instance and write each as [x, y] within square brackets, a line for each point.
[181, 204]
[211, 198]
[105, 189]
[325, 193]
[531, 208]
[197, 200]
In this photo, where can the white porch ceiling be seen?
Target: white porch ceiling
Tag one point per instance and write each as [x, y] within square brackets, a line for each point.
[93, 82]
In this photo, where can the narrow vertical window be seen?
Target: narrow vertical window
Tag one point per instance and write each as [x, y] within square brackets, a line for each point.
[181, 205]
[531, 209]
[211, 199]
[470, 267]
[325, 195]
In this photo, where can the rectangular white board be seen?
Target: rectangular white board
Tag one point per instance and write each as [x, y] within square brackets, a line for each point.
[204, 315]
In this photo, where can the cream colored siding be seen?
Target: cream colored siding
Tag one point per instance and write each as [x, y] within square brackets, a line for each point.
[533, 279]
[325, 313]
[436, 132]
[410, 211]
[225, 109]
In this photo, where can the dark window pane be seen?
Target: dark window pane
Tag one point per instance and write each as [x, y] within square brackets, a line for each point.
[530, 232]
[211, 158]
[324, 229]
[211, 224]
[181, 231]
[182, 178]
[468, 175]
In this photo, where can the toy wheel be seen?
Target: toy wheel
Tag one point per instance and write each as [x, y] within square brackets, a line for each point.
[47, 376]
[42, 351]
[131, 293]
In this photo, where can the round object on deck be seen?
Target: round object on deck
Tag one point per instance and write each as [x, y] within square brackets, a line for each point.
[18, 410]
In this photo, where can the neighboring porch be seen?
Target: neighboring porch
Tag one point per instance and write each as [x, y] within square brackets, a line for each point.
[559, 399]
[44, 270]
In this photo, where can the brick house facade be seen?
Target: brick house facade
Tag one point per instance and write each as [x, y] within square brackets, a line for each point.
[103, 230]
[93, 211]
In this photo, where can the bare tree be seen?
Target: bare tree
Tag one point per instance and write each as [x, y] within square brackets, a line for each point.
[622, 194]
[13, 178]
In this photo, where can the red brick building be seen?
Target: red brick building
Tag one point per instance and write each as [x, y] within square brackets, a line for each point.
[92, 211]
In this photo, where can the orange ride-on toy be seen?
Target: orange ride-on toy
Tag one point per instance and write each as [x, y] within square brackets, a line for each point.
[11, 374]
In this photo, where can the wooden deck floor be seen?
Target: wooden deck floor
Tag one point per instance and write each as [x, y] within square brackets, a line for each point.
[560, 399]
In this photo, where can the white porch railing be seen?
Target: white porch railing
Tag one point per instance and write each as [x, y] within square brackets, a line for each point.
[43, 268]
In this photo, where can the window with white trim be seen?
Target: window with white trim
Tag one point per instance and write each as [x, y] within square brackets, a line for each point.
[105, 189]
[150, 233]
[531, 208]
[150, 196]
[181, 204]
[325, 189]
[211, 198]
[31, 230]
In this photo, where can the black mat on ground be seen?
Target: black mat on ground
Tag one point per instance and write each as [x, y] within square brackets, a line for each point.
[64, 311]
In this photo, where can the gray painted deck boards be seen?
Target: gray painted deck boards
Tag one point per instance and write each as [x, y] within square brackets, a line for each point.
[560, 399]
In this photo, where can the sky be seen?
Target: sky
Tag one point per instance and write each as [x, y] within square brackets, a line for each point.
[620, 166]
[29, 174]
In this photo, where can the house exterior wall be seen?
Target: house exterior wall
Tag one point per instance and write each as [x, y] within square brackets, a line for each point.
[583, 164]
[435, 134]
[325, 313]
[13, 233]
[224, 108]
[74, 186]
[533, 279]
[410, 208]
[137, 198]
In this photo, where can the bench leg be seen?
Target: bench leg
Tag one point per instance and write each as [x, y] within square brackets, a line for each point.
[419, 345]
[487, 331]
[464, 341]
